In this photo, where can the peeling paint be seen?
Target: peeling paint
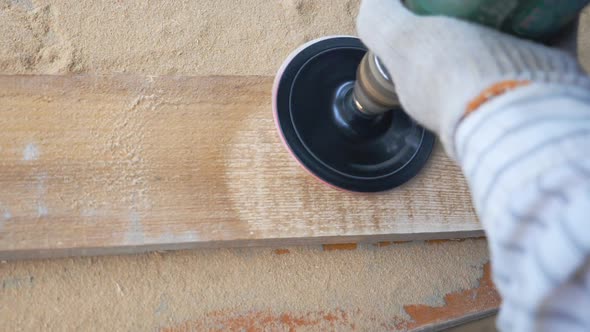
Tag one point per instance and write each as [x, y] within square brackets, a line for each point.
[17, 282]
[167, 236]
[135, 231]
[6, 215]
[24, 4]
[92, 212]
[455, 304]
[31, 152]
[42, 210]
[41, 192]
[267, 320]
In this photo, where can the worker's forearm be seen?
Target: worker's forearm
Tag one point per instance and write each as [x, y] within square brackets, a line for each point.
[526, 156]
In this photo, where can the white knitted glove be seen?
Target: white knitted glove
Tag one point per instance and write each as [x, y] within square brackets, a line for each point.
[440, 64]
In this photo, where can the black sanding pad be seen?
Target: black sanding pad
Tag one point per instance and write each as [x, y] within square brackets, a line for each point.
[329, 136]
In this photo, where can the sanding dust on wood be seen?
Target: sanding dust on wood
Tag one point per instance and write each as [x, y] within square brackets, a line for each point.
[176, 290]
[130, 161]
[373, 288]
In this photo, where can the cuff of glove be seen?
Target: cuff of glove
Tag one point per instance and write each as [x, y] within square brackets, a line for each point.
[499, 90]
[493, 91]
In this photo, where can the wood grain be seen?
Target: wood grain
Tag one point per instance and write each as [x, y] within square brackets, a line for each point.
[118, 164]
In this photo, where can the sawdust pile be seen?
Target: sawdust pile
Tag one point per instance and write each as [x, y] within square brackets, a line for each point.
[208, 37]
[162, 37]
[304, 288]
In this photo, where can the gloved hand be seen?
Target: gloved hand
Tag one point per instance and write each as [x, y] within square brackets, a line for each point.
[443, 66]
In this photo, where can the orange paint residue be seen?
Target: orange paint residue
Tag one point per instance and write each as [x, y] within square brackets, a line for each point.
[281, 251]
[339, 246]
[457, 304]
[265, 321]
[438, 241]
[383, 244]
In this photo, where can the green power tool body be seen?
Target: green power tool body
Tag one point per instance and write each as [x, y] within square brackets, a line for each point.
[533, 19]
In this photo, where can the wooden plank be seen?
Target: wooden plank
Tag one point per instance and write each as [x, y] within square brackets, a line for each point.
[110, 164]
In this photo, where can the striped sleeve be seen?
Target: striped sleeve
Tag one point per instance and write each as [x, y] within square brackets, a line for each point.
[526, 156]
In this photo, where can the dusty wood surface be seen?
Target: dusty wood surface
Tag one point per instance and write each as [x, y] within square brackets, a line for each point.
[386, 287]
[109, 164]
[458, 308]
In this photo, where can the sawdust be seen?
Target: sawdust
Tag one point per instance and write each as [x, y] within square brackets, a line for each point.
[367, 287]
[123, 142]
[303, 288]
[181, 37]
[160, 37]
[31, 41]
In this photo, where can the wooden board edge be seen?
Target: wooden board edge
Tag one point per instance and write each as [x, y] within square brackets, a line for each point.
[7, 255]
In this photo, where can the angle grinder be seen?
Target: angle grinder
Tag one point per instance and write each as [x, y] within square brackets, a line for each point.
[336, 109]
